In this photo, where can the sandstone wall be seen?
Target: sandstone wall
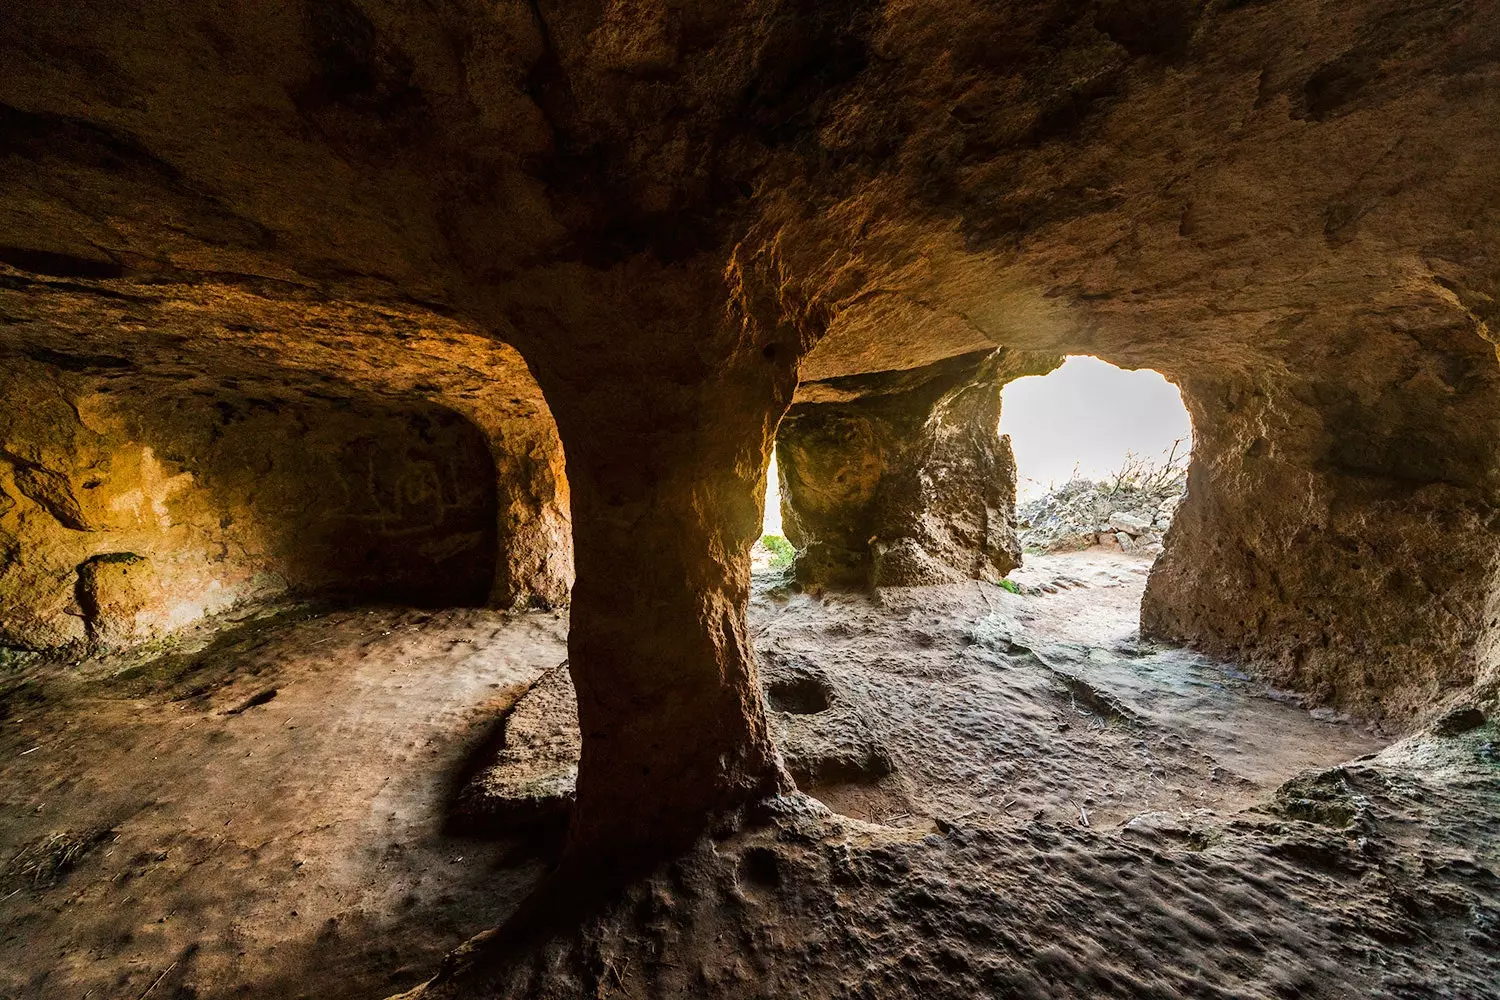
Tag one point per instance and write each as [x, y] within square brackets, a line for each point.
[901, 478]
[130, 506]
[239, 343]
[1342, 534]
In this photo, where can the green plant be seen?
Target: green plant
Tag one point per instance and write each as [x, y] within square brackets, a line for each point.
[782, 552]
[1011, 586]
[12, 658]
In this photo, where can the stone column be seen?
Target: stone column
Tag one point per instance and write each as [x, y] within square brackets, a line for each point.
[535, 565]
[666, 456]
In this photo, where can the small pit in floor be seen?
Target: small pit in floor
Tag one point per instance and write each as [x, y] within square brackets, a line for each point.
[799, 695]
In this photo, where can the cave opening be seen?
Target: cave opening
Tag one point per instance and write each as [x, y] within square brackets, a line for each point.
[1101, 457]
[772, 550]
[1089, 419]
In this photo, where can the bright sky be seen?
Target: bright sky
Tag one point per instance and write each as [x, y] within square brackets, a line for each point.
[1088, 414]
[773, 500]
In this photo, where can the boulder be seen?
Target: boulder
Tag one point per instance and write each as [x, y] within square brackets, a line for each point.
[1129, 522]
[900, 479]
[531, 780]
[119, 595]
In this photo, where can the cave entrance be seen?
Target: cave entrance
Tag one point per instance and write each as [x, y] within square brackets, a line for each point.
[773, 551]
[1089, 436]
[1100, 452]
[1101, 458]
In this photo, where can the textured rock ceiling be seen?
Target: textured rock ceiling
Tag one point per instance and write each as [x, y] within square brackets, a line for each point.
[1160, 181]
[267, 340]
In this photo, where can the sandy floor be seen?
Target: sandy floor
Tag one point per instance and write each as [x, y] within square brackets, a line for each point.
[230, 842]
[293, 848]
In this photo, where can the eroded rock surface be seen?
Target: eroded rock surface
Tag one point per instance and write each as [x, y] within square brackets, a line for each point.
[900, 479]
[1345, 541]
[531, 780]
[143, 504]
[822, 727]
[192, 789]
[1328, 887]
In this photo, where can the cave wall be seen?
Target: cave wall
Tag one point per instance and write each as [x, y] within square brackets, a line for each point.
[131, 506]
[535, 567]
[901, 478]
[1343, 535]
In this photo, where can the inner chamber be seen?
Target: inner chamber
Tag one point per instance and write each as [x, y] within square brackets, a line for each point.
[134, 504]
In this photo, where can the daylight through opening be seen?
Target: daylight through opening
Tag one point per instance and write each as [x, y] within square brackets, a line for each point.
[1101, 456]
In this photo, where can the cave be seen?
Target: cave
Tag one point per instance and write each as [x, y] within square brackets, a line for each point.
[389, 394]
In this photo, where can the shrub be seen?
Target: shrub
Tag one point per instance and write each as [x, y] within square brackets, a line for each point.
[782, 552]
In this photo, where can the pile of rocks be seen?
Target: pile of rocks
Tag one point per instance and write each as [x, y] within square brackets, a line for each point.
[1127, 515]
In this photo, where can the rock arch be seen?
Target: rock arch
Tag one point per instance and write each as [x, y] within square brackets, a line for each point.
[216, 461]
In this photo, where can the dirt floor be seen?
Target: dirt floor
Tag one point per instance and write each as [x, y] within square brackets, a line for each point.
[292, 848]
[260, 811]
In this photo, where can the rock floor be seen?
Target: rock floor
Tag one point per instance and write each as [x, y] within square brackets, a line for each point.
[286, 849]
[1072, 812]
[1047, 707]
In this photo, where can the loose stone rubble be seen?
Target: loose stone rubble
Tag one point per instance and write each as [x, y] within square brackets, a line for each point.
[1130, 516]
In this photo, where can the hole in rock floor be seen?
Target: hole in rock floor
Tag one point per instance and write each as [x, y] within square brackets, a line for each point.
[167, 819]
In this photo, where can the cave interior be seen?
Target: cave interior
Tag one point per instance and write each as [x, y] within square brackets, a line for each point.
[387, 394]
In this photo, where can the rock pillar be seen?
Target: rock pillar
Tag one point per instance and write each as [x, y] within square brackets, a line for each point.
[535, 567]
[902, 478]
[666, 457]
